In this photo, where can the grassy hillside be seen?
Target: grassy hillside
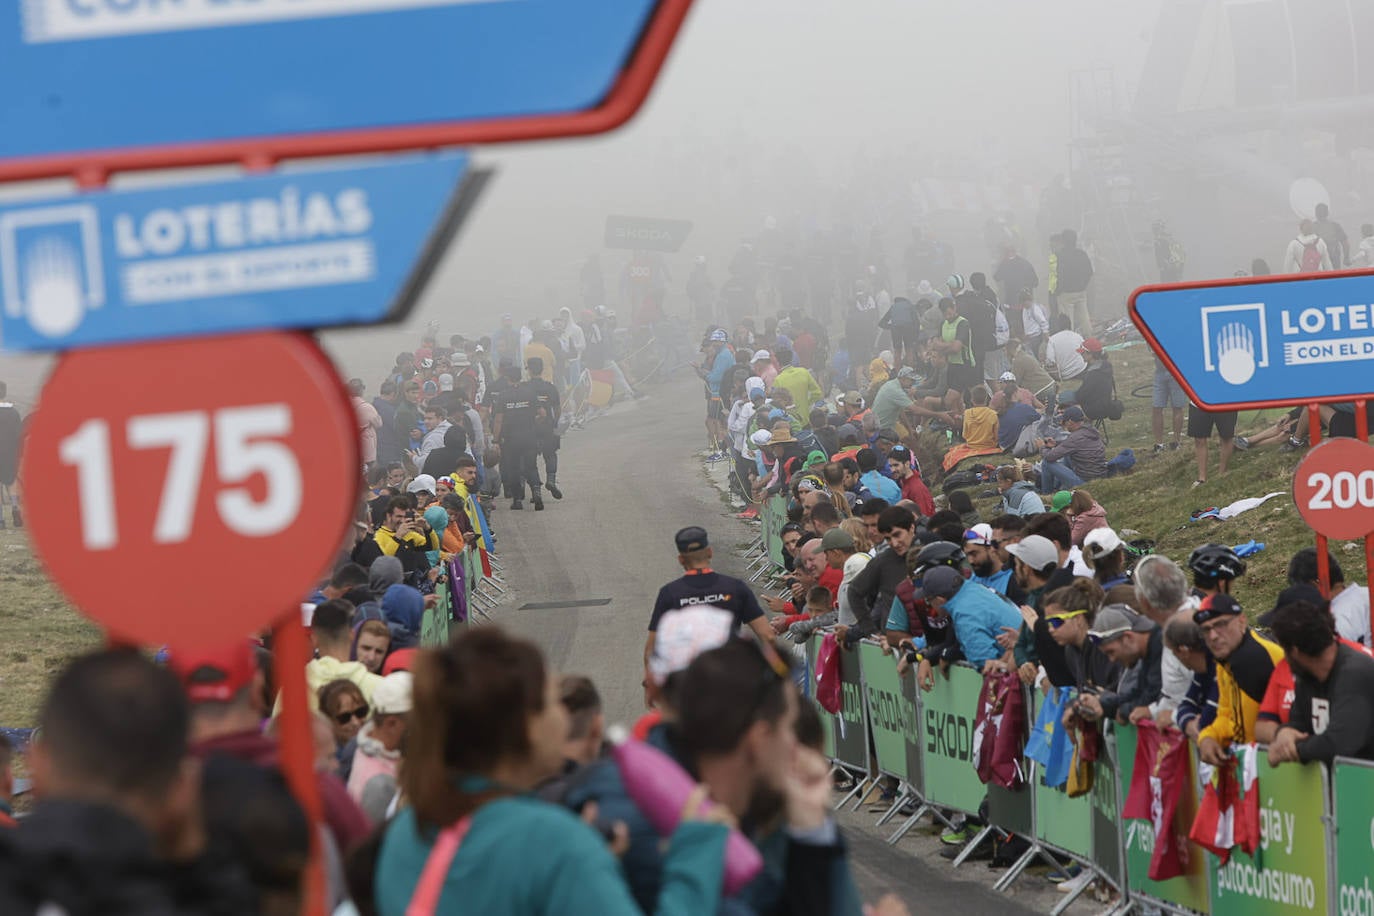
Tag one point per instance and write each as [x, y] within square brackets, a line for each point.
[1157, 498]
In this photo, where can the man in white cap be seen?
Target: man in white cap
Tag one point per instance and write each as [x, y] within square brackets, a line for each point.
[1010, 392]
[762, 365]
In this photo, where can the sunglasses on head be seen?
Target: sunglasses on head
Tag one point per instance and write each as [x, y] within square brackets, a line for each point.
[1055, 621]
[1206, 615]
[360, 713]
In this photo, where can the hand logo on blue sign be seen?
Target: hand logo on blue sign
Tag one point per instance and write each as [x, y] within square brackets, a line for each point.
[52, 286]
[51, 266]
[1236, 353]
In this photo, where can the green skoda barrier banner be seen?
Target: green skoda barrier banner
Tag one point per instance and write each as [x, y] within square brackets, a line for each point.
[813, 647]
[890, 718]
[1353, 789]
[915, 758]
[1063, 822]
[1288, 873]
[434, 623]
[947, 714]
[1187, 890]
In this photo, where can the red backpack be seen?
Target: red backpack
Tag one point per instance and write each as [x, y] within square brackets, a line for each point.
[1311, 258]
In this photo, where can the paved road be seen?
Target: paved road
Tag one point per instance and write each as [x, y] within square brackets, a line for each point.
[631, 479]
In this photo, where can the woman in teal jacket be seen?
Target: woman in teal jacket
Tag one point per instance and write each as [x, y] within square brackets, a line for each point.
[486, 728]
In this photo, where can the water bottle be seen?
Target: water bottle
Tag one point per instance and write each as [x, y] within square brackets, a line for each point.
[659, 787]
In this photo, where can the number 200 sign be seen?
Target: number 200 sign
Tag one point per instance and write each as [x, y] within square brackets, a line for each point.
[206, 477]
[1334, 489]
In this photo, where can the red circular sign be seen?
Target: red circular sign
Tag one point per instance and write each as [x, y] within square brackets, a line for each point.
[1334, 489]
[191, 491]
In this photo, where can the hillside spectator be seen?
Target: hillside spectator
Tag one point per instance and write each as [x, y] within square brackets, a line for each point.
[798, 382]
[872, 482]
[1333, 234]
[1010, 391]
[1017, 495]
[1085, 515]
[1201, 423]
[1308, 252]
[1349, 601]
[913, 488]
[1081, 457]
[1333, 704]
[1029, 371]
[1097, 386]
[1134, 644]
[1245, 662]
[1167, 393]
[961, 504]
[1063, 358]
[1074, 272]
[1105, 554]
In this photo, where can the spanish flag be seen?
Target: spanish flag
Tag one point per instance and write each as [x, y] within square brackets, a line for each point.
[600, 387]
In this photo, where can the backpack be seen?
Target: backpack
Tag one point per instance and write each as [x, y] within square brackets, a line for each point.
[1311, 258]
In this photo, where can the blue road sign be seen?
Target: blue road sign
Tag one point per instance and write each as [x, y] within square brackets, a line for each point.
[1264, 340]
[86, 75]
[289, 250]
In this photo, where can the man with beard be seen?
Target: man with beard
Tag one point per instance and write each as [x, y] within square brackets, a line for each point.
[987, 566]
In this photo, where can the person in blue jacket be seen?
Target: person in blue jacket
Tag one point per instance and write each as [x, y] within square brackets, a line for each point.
[487, 727]
[979, 614]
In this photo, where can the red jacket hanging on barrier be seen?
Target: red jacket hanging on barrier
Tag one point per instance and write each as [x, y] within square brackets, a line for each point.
[1000, 731]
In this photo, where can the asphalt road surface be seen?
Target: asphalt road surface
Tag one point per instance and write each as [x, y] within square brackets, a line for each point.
[630, 480]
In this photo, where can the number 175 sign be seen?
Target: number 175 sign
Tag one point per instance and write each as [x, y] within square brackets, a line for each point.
[191, 488]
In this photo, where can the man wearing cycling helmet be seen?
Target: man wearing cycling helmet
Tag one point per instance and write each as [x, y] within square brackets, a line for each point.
[1214, 568]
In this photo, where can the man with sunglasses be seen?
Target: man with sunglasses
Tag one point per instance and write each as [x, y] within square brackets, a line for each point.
[1245, 662]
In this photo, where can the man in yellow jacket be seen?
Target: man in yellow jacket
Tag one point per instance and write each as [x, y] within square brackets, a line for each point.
[1245, 662]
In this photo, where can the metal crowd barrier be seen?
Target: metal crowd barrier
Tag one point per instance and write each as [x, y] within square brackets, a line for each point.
[924, 740]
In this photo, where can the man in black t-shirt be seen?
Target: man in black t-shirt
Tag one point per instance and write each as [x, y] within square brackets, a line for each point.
[699, 585]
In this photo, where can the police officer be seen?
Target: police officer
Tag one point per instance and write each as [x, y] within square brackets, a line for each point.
[700, 584]
[546, 409]
[513, 427]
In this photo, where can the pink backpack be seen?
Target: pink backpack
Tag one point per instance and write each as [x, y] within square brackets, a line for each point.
[1311, 258]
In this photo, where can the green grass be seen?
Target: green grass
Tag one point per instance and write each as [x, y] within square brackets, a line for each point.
[1157, 499]
[39, 632]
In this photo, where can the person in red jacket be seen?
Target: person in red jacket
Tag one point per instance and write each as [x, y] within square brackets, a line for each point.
[906, 476]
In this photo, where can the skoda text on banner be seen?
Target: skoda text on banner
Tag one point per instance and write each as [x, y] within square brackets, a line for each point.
[1271, 340]
[643, 234]
[298, 250]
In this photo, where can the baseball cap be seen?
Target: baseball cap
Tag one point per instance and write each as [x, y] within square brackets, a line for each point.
[889, 434]
[1060, 500]
[215, 675]
[425, 483]
[979, 534]
[907, 372]
[1074, 413]
[1035, 550]
[684, 634]
[1116, 620]
[1091, 345]
[761, 437]
[719, 336]
[941, 582]
[400, 660]
[1101, 541]
[445, 382]
[1007, 377]
[837, 539]
[761, 356]
[852, 399]
[392, 696]
[1216, 605]
[691, 538]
